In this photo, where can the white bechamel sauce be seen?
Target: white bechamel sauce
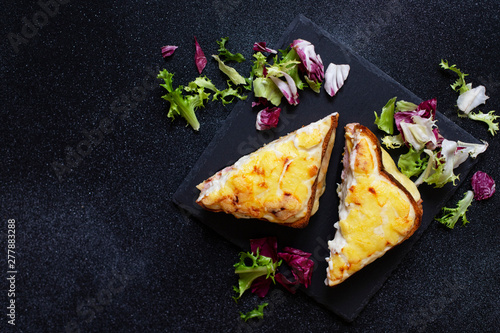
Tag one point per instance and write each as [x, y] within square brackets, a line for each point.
[338, 242]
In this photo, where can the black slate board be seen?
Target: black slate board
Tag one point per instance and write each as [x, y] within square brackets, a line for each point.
[366, 90]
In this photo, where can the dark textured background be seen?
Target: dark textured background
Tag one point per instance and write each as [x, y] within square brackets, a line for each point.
[103, 249]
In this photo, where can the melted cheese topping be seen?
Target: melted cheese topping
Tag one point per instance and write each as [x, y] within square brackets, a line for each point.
[375, 214]
[275, 182]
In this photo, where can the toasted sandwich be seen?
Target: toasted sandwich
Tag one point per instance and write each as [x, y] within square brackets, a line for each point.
[379, 206]
[280, 182]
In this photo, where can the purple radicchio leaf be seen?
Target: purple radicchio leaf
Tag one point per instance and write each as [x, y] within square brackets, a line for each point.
[424, 116]
[299, 262]
[311, 61]
[426, 110]
[199, 57]
[261, 47]
[267, 246]
[267, 118]
[261, 101]
[288, 88]
[260, 286]
[483, 185]
[168, 50]
[291, 286]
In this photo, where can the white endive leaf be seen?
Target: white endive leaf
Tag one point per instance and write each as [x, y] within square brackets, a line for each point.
[465, 150]
[470, 99]
[335, 77]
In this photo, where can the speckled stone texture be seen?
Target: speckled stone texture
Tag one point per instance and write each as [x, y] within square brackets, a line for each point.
[100, 247]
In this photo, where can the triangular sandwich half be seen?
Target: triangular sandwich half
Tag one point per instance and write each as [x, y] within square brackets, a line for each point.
[379, 206]
[280, 182]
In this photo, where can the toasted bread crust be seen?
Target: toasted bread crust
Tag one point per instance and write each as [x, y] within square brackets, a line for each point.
[327, 148]
[417, 206]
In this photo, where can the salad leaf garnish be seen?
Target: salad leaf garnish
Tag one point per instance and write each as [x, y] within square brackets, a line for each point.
[470, 98]
[488, 118]
[287, 88]
[335, 77]
[233, 75]
[299, 262]
[439, 169]
[229, 92]
[201, 82]
[261, 47]
[452, 215]
[311, 61]
[258, 268]
[412, 163]
[250, 267]
[255, 313]
[460, 85]
[168, 50]
[199, 57]
[205, 83]
[265, 88]
[226, 54]
[180, 104]
[482, 185]
[386, 120]
[267, 118]
[289, 61]
[405, 106]
[431, 157]
[393, 141]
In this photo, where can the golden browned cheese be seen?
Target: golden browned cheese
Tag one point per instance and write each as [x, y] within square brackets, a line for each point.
[280, 182]
[376, 211]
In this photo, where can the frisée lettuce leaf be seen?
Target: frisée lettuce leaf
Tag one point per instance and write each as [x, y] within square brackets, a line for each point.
[488, 118]
[451, 215]
[255, 313]
[459, 85]
[225, 54]
[469, 98]
[412, 163]
[250, 267]
[180, 104]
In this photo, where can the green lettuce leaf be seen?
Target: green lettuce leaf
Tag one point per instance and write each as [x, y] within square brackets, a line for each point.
[233, 75]
[288, 63]
[489, 118]
[265, 88]
[412, 163]
[386, 120]
[393, 141]
[257, 69]
[251, 267]
[226, 54]
[460, 85]
[452, 215]
[205, 83]
[228, 93]
[201, 82]
[315, 86]
[255, 313]
[405, 106]
[258, 65]
[441, 174]
[180, 104]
